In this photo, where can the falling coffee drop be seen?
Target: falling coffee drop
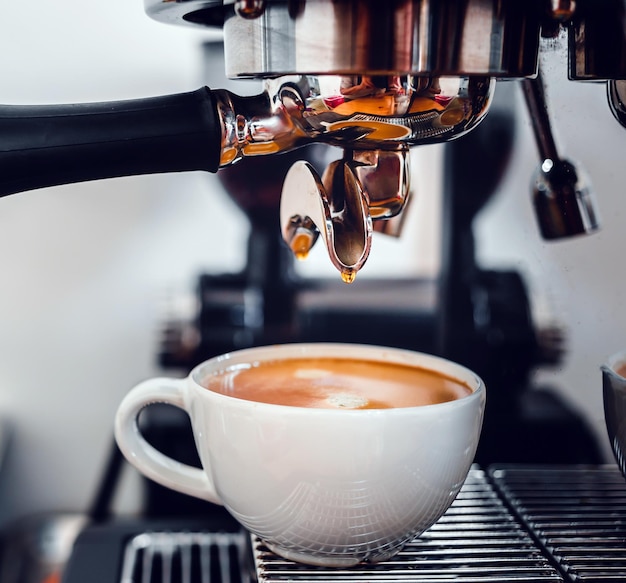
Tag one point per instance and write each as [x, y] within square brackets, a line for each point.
[348, 275]
[301, 244]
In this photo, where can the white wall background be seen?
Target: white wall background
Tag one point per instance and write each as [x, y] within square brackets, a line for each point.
[83, 267]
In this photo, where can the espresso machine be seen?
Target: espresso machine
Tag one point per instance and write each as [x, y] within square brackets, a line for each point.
[364, 82]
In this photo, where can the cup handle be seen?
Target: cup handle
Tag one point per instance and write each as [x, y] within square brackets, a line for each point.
[146, 458]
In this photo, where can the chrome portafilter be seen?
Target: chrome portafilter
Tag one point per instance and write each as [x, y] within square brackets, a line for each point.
[372, 78]
[375, 121]
[368, 77]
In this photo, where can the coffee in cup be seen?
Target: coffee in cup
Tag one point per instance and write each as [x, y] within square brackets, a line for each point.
[331, 454]
[336, 383]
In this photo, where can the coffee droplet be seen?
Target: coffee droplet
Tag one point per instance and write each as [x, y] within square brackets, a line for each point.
[301, 245]
[348, 275]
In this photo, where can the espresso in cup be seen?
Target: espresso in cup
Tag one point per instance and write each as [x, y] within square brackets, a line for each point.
[334, 383]
[331, 454]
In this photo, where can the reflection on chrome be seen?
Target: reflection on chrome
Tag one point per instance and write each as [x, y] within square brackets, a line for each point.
[361, 112]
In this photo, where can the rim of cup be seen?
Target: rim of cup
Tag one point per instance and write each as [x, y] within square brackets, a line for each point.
[385, 354]
[613, 362]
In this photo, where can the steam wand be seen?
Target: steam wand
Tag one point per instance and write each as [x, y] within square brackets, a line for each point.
[563, 204]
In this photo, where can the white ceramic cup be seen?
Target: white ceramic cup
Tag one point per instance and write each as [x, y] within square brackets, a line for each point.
[614, 400]
[325, 487]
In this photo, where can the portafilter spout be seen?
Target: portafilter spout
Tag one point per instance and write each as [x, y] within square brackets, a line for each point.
[345, 225]
[342, 204]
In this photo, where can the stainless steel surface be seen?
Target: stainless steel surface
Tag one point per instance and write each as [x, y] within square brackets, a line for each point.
[383, 176]
[342, 204]
[563, 203]
[578, 514]
[375, 125]
[302, 109]
[194, 557]
[563, 200]
[419, 37]
[476, 541]
[512, 523]
[307, 210]
[249, 8]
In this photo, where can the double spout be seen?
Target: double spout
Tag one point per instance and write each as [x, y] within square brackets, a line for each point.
[341, 205]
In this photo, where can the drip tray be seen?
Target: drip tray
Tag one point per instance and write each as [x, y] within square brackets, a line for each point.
[509, 524]
[576, 514]
[476, 541]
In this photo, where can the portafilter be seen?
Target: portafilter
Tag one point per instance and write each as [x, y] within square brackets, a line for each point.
[371, 78]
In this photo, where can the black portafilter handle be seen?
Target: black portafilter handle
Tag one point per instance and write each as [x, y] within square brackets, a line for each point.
[49, 145]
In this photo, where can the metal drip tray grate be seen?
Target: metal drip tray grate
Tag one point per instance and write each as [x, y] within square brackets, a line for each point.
[577, 513]
[517, 524]
[476, 541]
[180, 557]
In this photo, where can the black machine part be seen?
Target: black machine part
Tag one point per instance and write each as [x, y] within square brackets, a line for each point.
[49, 145]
